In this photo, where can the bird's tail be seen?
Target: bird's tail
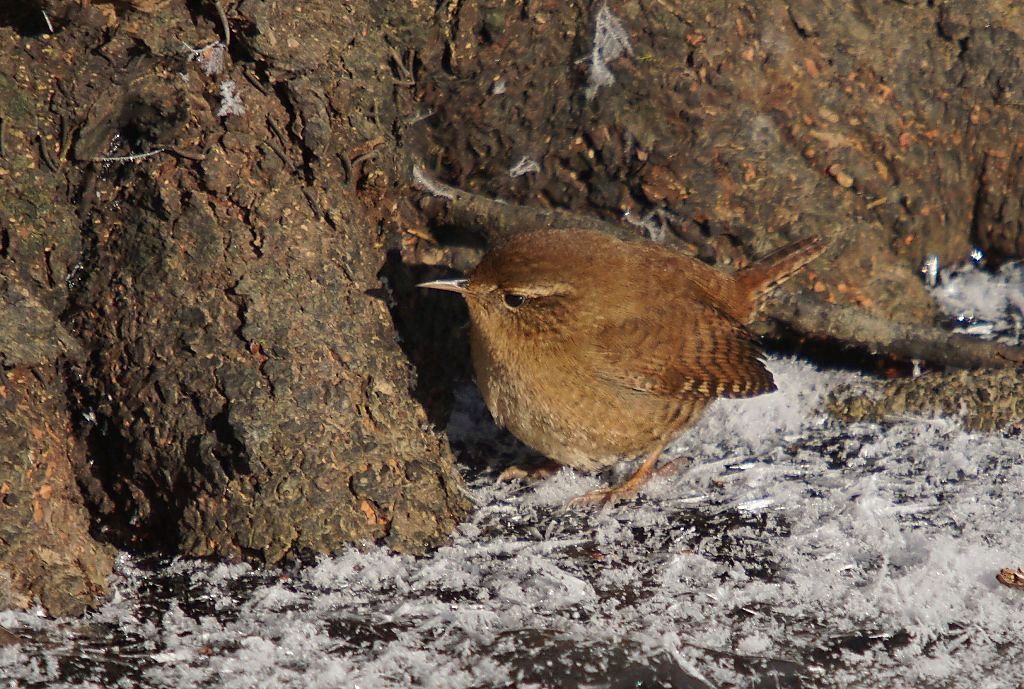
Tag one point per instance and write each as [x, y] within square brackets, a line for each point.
[757, 279]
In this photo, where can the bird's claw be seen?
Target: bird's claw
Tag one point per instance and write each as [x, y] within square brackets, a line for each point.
[531, 472]
[629, 489]
[604, 496]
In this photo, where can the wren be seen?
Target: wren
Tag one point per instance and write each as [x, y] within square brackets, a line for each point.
[592, 350]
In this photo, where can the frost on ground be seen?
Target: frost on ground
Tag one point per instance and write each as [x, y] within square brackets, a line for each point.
[230, 101]
[984, 304]
[795, 551]
[210, 57]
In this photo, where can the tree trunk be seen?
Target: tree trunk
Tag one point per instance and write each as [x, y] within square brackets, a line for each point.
[243, 391]
[243, 365]
[890, 126]
[46, 552]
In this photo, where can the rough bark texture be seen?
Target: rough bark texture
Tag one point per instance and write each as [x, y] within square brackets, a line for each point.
[891, 126]
[253, 384]
[47, 555]
[242, 389]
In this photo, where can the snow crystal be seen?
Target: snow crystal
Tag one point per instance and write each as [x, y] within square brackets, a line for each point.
[210, 57]
[649, 223]
[983, 303]
[524, 166]
[230, 101]
[610, 42]
[421, 180]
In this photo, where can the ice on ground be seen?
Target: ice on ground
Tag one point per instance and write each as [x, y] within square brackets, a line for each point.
[794, 551]
[983, 303]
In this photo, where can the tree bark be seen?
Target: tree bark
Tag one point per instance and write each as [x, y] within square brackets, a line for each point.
[890, 126]
[47, 554]
[244, 392]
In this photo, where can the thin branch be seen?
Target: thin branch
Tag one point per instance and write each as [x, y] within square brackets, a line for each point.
[132, 158]
[65, 139]
[223, 22]
[810, 315]
[44, 151]
[185, 153]
[494, 219]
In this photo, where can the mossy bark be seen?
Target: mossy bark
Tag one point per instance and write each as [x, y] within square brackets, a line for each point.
[981, 400]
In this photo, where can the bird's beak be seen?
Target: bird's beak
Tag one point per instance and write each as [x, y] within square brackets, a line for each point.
[447, 285]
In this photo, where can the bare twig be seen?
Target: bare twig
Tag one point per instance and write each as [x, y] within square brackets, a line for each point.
[223, 22]
[494, 219]
[65, 139]
[185, 153]
[404, 73]
[254, 81]
[62, 87]
[365, 156]
[277, 131]
[365, 150]
[809, 315]
[131, 158]
[419, 118]
[44, 152]
[806, 314]
[278, 146]
[346, 165]
[3, 130]
[311, 200]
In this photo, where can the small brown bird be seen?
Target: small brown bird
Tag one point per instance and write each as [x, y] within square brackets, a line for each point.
[592, 350]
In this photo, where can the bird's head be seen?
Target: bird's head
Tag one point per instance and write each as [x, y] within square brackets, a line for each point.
[526, 287]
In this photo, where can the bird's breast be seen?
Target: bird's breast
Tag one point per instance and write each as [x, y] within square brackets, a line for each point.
[555, 403]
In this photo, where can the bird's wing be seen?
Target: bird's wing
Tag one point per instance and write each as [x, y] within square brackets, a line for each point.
[707, 354]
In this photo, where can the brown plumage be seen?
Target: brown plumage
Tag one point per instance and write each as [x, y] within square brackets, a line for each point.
[593, 350]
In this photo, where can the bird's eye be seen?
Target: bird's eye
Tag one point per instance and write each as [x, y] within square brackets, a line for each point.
[514, 301]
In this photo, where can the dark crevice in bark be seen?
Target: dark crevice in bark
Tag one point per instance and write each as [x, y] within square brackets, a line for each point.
[26, 18]
[230, 450]
[979, 202]
[110, 500]
[283, 92]
[427, 342]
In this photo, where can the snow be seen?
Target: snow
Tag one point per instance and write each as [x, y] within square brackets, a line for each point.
[611, 41]
[793, 551]
[985, 304]
[230, 101]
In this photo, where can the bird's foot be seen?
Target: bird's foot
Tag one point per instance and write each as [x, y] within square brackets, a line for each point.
[629, 488]
[671, 467]
[532, 472]
[605, 496]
